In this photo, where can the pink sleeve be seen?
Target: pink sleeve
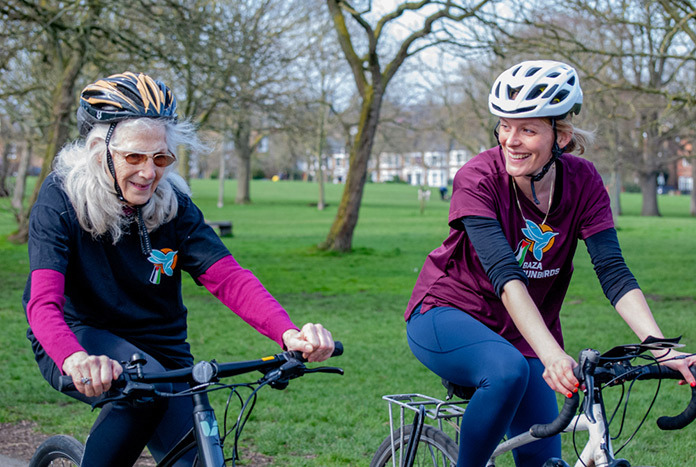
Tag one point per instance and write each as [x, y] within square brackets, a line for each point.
[45, 316]
[244, 294]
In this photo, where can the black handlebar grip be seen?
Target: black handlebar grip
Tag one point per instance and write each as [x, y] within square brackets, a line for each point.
[567, 413]
[65, 384]
[687, 416]
[338, 350]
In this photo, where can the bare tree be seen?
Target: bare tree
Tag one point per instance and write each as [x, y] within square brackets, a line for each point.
[639, 52]
[54, 47]
[372, 74]
[63, 40]
[683, 13]
[264, 38]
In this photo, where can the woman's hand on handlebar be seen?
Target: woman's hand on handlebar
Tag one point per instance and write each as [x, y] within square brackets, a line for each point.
[680, 361]
[91, 374]
[313, 340]
[558, 374]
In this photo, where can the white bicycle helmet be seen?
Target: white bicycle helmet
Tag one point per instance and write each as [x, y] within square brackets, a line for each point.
[536, 88]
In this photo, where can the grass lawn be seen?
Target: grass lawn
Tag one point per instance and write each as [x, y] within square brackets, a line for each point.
[329, 420]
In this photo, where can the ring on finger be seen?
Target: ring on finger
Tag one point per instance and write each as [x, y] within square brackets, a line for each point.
[86, 381]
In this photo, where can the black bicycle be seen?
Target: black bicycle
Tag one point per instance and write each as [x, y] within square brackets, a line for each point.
[422, 444]
[136, 386]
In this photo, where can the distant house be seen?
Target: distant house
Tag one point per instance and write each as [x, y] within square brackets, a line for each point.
[431, 168]
[685, 175]
[683, 170]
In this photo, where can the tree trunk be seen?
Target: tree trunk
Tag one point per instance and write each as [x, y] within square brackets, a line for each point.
[5, 169]
[340, 237]
[221, 179]
[21, 180]
[63, 102]
[651, 168]
[244, 151]
[615, 192]
[693, 187]
[648, 186]
[321, 202]
[185, 164]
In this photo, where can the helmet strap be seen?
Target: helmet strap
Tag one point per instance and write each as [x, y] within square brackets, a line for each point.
[145, 245]
[110, 162]
[556, 152]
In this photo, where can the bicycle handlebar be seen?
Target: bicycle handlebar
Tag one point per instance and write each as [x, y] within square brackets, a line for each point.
[591, 367]
[570, 406]
[688, 415]
[283, 366]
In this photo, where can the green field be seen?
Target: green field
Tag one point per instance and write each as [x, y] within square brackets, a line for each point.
[329, 420]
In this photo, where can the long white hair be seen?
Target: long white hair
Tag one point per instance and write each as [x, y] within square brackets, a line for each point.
[86, 179]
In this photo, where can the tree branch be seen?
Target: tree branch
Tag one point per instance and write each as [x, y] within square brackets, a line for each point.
[354, 61]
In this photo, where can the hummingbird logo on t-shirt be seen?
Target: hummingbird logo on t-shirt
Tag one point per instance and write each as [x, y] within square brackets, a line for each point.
[538, 238]
[164, 261]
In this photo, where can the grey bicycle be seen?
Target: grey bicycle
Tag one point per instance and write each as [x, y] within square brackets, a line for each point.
[436, 444]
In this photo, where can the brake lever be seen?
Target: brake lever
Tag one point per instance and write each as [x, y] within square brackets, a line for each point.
[326, 369]
[587, 362]
[132, 392]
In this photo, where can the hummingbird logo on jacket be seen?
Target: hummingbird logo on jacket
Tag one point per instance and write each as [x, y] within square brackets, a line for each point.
[538, 239]
[164, 261]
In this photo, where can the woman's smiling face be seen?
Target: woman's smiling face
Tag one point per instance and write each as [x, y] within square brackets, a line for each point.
[526, 144]
[138, 182]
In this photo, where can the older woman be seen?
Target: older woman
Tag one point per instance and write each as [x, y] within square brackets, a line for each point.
[484, 312]
[110, 233]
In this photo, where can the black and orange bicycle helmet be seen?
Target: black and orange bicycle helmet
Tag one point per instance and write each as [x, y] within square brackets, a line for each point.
[123, 96]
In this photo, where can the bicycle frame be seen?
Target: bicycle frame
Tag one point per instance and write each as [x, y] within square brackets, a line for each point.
[598, 450]
[205, 436]
[595, 371]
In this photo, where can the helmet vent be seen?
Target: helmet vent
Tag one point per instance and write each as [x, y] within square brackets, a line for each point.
[513, 92]
[514, 72]
[553, 74]
[536, 91]
[532, 71]
[551, 90]
[560, 97]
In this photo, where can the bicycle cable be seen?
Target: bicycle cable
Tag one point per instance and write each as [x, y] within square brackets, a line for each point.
[233, 392]
[575, 444]
[655, 361]
[620, 402]
[242, 420]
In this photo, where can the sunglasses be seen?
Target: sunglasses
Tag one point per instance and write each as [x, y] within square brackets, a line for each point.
[160, 159]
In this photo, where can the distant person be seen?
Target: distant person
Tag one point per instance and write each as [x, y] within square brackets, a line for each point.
[110, 234]
[443, 193]
[484, 312]
[423, 193]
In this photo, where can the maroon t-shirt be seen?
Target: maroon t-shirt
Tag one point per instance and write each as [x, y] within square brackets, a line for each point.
[453, 275]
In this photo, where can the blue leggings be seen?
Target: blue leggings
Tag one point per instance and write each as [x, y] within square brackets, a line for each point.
[121, 431]
[511, 394]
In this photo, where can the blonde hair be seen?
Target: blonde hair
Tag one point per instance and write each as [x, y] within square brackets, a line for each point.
[83, 169]
[580, 139]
